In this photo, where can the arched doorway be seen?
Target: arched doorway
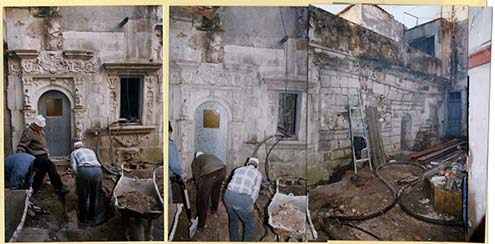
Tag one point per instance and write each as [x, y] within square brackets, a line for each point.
[55, 107]
[210, 129]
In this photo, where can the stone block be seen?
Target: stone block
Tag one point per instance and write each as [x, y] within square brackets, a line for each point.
[378, 88]
[345, 143]
[354, 83]
[337, 154]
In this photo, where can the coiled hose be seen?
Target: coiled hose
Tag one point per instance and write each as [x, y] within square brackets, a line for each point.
[373, 214]
[397, 199]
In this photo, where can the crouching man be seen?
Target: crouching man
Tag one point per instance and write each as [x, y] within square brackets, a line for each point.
[240, 196]
[18, 169]
[88, 182]
[209, 172]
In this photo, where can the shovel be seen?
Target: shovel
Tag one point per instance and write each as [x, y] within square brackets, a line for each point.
[193, 223]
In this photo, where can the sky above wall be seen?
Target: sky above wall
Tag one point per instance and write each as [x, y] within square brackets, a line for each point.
[401, 13]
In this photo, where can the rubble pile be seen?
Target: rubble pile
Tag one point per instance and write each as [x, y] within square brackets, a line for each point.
[290, 217]
[138, 202]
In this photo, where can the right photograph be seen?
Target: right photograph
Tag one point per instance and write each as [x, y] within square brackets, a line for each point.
[328, 122]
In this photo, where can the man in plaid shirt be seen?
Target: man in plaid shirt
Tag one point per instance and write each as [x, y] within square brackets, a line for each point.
[88, 182]
[240, 196]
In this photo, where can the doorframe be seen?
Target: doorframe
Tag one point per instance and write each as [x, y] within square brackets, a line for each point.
[36, 96]
[71, 110]
[463, 113]
[230, 155]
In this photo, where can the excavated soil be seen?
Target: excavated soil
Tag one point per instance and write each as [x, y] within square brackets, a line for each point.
[367, 194]
[58, 221]
[217, 224]
[138, 201]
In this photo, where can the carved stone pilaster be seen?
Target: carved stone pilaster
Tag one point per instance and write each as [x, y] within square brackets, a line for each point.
[112, 86]
[78, 97]
[150, 88]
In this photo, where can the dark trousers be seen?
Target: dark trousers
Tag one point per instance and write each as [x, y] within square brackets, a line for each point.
[88, 182]
[209, 187]
[42, 164]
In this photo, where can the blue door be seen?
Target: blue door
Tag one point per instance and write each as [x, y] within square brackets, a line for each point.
[55, 107]
[454, 114]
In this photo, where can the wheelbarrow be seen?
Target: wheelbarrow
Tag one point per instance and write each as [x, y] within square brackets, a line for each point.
[289, 216]
[16, 208]
[137, 220]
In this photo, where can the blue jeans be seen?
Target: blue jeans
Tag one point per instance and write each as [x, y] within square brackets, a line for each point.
[240, 206]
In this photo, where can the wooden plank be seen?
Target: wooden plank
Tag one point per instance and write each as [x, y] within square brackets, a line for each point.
[416, 155]
[375, 137]
[440, 152]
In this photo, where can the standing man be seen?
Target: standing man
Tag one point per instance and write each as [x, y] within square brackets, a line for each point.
[174, 166]
[33, 141]
[240, 196]
[18, 169]
[88, 181]
[209, 172]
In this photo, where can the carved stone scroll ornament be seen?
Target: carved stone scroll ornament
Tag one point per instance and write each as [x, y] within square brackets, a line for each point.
[130, 140]
[54, 63]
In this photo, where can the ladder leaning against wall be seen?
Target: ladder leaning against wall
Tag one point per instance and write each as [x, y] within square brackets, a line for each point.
[357, 127]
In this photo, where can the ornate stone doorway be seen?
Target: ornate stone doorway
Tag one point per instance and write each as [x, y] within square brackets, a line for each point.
[55, 107]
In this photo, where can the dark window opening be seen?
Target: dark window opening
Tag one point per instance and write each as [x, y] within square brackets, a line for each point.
[454, 96]
[130, 98]
[54, 107]
[424, 44]
[288, 114]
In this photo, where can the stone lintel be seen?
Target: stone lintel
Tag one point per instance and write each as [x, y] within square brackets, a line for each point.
[24, 53]
[78, 54]
[136, 67]
[132, 129]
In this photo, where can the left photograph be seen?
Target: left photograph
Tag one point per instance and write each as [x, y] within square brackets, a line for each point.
[83, 123]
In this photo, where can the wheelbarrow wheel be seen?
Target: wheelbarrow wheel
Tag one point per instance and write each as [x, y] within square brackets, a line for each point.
[137, 229]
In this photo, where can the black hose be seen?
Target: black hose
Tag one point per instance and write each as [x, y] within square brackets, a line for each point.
[373, 214]
[267, 163]
[98, 139]
[422, 217]
[363, 230]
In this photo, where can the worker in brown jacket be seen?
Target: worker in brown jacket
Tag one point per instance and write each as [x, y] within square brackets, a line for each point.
[33, 141]
[209, 172]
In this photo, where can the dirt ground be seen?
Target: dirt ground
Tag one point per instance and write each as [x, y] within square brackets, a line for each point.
[58, 221]
[368, 194]
[217, 225]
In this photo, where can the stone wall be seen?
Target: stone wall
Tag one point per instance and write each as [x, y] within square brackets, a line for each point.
[374, 18]
[82, 52]
[255, 67]
[347, 60]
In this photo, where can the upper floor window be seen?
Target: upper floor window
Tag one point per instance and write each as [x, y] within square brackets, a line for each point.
[425, 44]
[131, 99]
[288, 114]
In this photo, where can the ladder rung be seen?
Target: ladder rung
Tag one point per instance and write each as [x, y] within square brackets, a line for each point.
[362, 160]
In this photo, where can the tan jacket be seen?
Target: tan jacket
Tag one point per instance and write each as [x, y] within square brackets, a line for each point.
[32, 142]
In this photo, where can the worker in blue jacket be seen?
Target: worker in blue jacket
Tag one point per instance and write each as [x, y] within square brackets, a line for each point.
[18, 171]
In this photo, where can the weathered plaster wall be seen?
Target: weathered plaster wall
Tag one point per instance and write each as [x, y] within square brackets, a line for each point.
[375, 19]
[480, 21]
[347, 59]
[246, 81]
[83, 52]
